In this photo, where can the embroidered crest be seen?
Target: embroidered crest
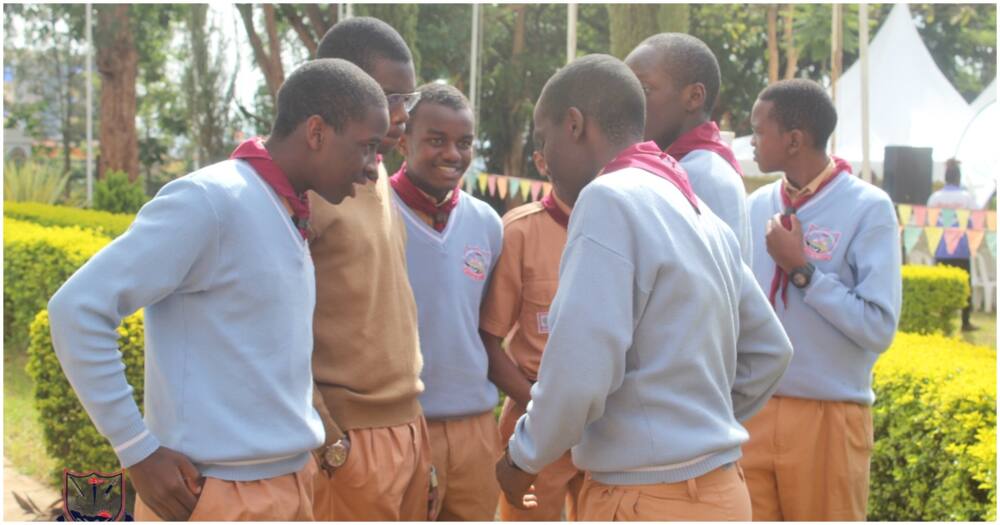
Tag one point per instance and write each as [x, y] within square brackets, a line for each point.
[543, 322]
[475, 262]
[93, 496]
[820, 243]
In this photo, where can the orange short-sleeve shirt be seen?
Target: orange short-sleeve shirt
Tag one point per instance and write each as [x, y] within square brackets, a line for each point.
[523, 284]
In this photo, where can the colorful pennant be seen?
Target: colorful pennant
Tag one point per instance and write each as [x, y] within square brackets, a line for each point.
[933, 234]
[932, 216]
[911, 234]
[991, 220]
[975, 239]
[952, 236]
[482, 183]
[515, 185]
[502, 186]
[536, 188]
[905, 211]
[525, 190]
[991, 242]
[491, 182]
[919, 215]
[949, 219]
[548, 188]
[978, 219]
[963, 218]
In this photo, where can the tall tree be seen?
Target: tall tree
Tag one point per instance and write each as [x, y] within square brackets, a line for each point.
[207, 89]
[791, 47]
[630, 24]
[117, 62]
[269, 59]
[773, 58]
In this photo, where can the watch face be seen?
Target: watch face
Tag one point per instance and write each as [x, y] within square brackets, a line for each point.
[336, 455]
[799, 280]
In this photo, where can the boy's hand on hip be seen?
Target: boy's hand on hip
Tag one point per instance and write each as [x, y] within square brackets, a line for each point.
[168, 483]
[785, 245]
[516, 483]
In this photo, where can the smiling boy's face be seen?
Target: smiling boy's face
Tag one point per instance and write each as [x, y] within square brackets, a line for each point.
[438, 147]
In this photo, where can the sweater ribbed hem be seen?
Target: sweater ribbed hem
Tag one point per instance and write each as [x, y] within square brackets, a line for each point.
[352, 413]
[674, 475]
[257, 471]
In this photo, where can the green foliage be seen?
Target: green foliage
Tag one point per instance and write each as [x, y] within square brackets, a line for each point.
[932, 295]
[70, 437]
[935, 432]
[116, 194]
[962, 39]
[34, 181]
[37, 261]
[102, 222]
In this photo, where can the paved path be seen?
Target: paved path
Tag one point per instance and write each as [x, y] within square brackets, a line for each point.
[24, 486]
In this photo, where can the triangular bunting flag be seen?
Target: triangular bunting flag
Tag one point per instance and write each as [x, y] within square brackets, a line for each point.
[502, 186]
[933, 234]
[905, 210]
[919, 214]
[978, 220]
[548, 188]
[975, 239]
[952, 236]
[991, 242]
[963, 218]
[932, 216]
[515, 186]
[491, 182]
[482, 183]
[470, 184]
[536, 188]
[525, 189]
[991, 220]
[948, 218]
[911, 234]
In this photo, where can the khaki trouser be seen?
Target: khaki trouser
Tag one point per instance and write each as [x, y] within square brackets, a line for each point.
[557, 485]
[284, 498]
[720, 495]
[465, 451]
[386, 477]
[808, 460]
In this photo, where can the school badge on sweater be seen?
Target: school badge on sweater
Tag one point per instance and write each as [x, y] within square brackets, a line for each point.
[476, 262]
[819, 242]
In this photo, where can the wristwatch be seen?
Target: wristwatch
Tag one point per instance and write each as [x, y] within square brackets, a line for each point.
[335, 454]
[802, 276]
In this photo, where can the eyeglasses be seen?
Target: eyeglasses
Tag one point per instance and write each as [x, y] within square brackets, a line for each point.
[408, 100]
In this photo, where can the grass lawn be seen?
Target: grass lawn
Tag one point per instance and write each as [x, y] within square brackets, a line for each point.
[22, 438]
[987, 333]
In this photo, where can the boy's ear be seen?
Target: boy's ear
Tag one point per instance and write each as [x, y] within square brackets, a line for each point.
[796, 141]
[315, 129]
[576, 121]
[401, 145]
[693, 96]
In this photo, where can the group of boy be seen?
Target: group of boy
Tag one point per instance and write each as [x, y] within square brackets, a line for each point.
[313, 356]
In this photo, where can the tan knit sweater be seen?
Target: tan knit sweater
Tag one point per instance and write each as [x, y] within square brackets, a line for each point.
[366, 361]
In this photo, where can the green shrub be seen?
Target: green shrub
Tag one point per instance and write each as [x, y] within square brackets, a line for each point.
[116, 194]
[71, 439]
[36, 181]
[932, 296]
[37, 261]
[110, 224]
[935, 431]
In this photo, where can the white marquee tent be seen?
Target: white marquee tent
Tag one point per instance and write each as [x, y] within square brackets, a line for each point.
[977, 148]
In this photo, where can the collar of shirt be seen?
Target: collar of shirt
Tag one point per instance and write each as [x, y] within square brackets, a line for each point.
[809, 189]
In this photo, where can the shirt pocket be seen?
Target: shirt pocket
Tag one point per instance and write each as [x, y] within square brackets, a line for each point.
[537, 298]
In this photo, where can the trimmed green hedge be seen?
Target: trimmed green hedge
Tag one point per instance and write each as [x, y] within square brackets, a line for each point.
[37, 261]
[935, 432]
[932, 296]
[70, 436]
[110, 224]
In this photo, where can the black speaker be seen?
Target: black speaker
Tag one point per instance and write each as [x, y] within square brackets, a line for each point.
[907, 177]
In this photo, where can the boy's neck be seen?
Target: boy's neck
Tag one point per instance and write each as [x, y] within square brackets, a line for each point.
[435, 194]
[802, 170]
[690, 122]
[286, 159]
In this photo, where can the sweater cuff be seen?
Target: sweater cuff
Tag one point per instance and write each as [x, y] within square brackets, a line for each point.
[814, 285]
[516, 454]
[137, 448]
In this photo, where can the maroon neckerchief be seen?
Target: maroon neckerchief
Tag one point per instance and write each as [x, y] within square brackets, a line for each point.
[780, 280]
[707, 137]
[254, 153]
[552, 207]
[418, 200]
[648, 157]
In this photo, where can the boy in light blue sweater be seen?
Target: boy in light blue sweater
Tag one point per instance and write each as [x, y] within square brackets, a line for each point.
[826, 247]
[660, 341]
[453, 242]
[221, 264]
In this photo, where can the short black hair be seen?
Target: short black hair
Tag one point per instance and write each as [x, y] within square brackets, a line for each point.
[688, 60]
[336, 90]
[441, 94]
[363, 40]
[602, 88]
[804, 105]
[953, 172]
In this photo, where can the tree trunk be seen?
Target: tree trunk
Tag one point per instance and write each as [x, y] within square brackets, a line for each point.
[791, 51]
[117, 62]
[269, 62]
[629, 25]
[773, 59]
[514, 159]
[673, 18]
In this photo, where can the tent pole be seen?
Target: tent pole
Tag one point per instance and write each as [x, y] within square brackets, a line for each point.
[866, 170]
[90, 109]
[570, 32]
[474, 63]
[836, 54]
